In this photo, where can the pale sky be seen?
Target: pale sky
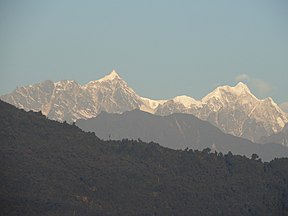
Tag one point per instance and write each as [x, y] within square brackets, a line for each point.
[161, 48]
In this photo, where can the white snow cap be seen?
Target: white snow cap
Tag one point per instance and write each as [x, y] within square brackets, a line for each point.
[238, 90]
[185, 100]
[242, 87]
[110, 76]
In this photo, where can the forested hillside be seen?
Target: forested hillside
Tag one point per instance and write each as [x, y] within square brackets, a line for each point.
[52, 168]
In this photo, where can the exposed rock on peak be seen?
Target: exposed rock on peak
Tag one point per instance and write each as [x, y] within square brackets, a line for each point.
[233, 109]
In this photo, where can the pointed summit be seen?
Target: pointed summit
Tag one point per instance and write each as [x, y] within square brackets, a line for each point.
[237, 90]
[111, 76]
[114, 73]
[242, 86]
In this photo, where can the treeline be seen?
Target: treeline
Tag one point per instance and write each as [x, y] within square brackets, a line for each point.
[49, 168]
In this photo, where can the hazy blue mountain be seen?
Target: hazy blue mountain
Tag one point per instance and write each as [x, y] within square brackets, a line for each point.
[176, 131]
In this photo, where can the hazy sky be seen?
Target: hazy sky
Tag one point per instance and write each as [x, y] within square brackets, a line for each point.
[161, 48]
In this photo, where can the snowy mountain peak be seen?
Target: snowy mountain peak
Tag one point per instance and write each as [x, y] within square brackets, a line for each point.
[110, 77]
[64, 83]
[113, 75]
[234, 109]
[185, 100]
[269, 101]
[237, 90]
[241, 87]
[149, 105]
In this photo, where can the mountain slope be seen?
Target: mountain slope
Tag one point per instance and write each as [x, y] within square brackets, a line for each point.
[235, 110]
[280, 137]
[69, 101]
[177, 131]
[284, 107]
[52, 168]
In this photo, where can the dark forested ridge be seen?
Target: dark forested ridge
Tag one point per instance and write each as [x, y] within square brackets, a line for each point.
[176, 131]
[49, 168]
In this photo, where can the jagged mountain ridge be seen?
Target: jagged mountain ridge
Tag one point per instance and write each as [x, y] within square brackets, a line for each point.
[68, 101]
[234, 110]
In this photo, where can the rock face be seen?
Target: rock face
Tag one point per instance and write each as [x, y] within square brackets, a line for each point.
[68, 101]
[235, 110]
[280, 137]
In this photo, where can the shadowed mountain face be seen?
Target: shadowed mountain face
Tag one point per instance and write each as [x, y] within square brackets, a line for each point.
[177, 131]
[52, 168]
[234, 110]
[281, 137]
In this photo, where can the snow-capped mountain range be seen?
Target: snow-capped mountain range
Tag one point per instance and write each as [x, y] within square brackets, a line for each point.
[234, 110]
[68, 101]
